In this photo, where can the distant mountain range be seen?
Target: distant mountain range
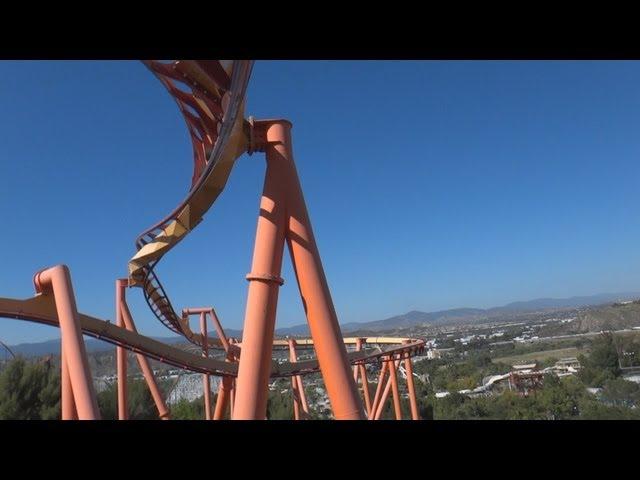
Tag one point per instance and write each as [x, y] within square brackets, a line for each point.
[52, 347]
[462, 315]
[413, 318]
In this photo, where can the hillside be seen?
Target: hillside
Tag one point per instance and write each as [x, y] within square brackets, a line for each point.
[614, 316]
[608, 317]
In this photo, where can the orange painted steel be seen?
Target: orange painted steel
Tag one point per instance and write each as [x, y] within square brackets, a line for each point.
[312, 283]
[393, 376]
[121, 361]
[222, 339]
[296, 398]
[43, 309]
[362, 371]
[383, 399]
[143, 362]
[413, 402]
[57, 281]
[232, 397]
[223, 400]
[225, 389]
[300, 405]
[210, 95]
[391, 367]
[379, 389]
[68, 405]
[226, 393]
[379, 408]
[206, 385]
[264, 282]
[294, 382]
[283, 214]
[365, 387]
[303, 396]
[355, 367]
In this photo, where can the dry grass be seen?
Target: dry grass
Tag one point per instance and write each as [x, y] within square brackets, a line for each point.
[539, 356]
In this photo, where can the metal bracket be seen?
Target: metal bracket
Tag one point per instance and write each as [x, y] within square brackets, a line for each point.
[265, 278]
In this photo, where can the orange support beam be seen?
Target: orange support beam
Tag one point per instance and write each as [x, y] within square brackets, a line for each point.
[66, 395]
[379, 407]
[121, 360]
[379, 388]
[300, 406]
[413, 402]
[362, 370]
[206, 384]
[312, 282]
[393, 376]
[57, 281]
[143, 362]
[254, 368]
[284, 213]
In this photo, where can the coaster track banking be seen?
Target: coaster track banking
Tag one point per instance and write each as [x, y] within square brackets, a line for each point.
[212, 102]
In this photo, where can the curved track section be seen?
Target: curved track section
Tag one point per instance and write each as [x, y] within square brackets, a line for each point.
[42, 309]
[210, 94]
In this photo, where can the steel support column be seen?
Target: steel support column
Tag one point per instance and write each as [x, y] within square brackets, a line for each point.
[413, 402]
[56, 280]
[121, 361]
[68, 404]
[143, 362]
[252, 384]
[393, 376]
[206, 384]
[312, 283]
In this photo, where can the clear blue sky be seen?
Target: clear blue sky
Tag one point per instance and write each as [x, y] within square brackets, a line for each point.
[431, 185]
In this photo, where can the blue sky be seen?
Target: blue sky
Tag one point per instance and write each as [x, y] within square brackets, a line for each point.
[430, 184]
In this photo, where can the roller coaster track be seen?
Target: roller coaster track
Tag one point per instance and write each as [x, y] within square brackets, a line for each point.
[42, 309]
[210, 95]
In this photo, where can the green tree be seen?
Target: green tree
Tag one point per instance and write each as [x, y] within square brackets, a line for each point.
[621, 393]
[280, 406]
[139, 400]
[560, 398]
[29, 391]
[602, 362]
[186, 410]
[511, 406]
[592, 409]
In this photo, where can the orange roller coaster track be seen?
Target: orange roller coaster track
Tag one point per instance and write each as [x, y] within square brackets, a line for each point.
[210, 94]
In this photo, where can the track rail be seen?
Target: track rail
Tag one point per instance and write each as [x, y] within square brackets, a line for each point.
[210, 95]
[42, 309]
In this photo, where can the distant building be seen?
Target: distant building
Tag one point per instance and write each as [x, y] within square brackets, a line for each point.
[525, 381]
[433, 354]
[525, 367]
[568, 363]
[566, 366]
